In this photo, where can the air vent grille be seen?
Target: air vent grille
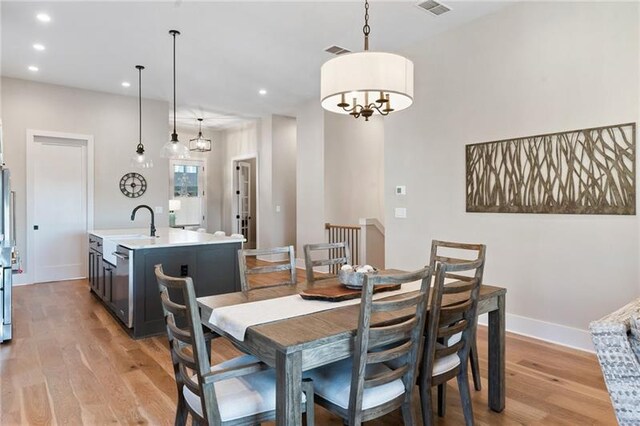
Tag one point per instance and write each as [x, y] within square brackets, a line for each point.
[433, 7]
[336, 50]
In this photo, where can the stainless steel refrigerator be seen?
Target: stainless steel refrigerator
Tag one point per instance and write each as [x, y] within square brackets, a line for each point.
[7, 243]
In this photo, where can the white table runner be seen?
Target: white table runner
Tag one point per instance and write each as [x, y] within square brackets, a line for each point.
[235, 319]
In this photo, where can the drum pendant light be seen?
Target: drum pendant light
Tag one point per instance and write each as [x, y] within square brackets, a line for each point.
[364, 83]
[139, 159]
[174, 148]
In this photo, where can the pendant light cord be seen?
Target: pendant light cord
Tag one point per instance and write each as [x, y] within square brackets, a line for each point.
[140, 104]
[174, 135]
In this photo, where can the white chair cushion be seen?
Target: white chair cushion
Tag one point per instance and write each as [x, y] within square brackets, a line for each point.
[333, 383]
[241, 396]
[444, 364]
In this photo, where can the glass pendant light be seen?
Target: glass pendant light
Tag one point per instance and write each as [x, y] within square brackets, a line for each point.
[200, 144]
[174, 148]
[139, 159]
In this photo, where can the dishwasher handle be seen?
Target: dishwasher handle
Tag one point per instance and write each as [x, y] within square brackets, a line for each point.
[120, 255]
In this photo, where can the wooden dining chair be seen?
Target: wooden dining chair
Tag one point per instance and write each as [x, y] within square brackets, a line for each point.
[450, 332]
[240, 391]
[289, 265]
[338, 254]
[381, 375]
[444, 251]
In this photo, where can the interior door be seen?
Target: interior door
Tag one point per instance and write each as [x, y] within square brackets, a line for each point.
[60, 209]
[243, 199]
[188, 182]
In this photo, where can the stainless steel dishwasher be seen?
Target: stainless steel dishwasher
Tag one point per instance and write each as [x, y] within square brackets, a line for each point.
[122, 286]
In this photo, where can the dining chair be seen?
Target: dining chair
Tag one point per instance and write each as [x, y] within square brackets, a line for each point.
[472, 252]
[245, 271]
[240, 391]
[450, 332]
[381, 375]
[338, 254]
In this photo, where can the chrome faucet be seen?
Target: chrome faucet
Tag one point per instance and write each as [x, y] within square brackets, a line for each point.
[144, 206]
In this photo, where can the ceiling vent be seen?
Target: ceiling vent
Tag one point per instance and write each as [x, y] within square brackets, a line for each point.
[433, 7]
[336, 50]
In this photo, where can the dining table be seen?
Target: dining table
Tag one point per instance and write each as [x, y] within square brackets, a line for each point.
[292, 345]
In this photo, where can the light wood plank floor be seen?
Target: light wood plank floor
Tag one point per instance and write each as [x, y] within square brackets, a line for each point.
[70, 363]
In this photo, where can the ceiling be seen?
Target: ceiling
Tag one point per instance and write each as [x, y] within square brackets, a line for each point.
[227, 52]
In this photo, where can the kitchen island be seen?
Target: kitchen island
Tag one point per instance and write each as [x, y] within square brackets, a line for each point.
[121, 270]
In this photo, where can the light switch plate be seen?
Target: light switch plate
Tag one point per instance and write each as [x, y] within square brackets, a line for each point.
[277, 209]
[159, 209]
[401, 212]
[401, 190]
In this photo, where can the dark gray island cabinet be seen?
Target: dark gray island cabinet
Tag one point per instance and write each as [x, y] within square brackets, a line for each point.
[121, 271]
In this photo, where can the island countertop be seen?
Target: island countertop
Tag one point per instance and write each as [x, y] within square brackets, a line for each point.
[138, 238]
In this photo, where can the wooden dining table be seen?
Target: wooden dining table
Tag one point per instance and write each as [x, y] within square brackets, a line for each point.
[301, 343]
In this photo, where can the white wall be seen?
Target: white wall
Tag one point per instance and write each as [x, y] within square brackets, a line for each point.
[112, 120]
[309, 176]
[354, 169]
[284, 149]
[532, 68]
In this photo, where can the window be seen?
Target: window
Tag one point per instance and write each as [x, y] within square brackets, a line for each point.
[185, 180]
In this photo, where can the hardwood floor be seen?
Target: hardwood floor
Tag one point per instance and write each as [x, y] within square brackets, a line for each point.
[70, 363]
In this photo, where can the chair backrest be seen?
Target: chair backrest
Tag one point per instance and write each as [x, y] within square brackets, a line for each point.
[453, 252]
[397, 343]
[452, 310]
[338, 254]
[188, 347]
[289, 266]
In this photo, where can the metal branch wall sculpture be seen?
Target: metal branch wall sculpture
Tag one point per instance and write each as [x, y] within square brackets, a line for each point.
[590, 171]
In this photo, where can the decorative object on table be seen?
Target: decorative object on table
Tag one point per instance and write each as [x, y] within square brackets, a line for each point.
[133, 185]
[616, 338]
[373, 81]
[588, 171]
[339, 292]
[353, 276]
[200, 144]
[174, 148]
[174, 205]
[139, 159]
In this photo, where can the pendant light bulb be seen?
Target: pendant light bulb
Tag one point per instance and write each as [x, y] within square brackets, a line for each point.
[139, 160]
[174, 148]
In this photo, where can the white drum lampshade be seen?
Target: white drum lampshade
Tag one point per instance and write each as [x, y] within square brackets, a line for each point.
[174, 205]
[365, 76]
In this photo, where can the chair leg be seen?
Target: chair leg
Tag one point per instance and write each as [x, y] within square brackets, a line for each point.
[465, 397]
[407, 412]
[442, 399]
[307, 388]
[181, 411]
[475, 366]
[425, 403]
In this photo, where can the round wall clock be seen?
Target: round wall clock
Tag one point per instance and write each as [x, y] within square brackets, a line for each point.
[133, 185]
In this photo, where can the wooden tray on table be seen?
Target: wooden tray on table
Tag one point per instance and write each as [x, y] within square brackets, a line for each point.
[339, 292]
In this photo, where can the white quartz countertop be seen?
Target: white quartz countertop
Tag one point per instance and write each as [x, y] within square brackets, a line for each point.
[138, 238]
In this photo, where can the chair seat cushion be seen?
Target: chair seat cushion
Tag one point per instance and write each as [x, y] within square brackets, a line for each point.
[333, 383]
[243, 396]
[446, 363]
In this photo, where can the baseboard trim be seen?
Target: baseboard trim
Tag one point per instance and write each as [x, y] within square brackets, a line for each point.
[558, 334]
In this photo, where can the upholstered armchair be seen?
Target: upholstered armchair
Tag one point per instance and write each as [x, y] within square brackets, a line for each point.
[616, 338]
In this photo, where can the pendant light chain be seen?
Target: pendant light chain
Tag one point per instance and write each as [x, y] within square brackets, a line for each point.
[366, 29]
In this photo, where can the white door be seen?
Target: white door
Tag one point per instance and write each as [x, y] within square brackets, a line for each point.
[243, 199]
[60, 209]
[188, 181]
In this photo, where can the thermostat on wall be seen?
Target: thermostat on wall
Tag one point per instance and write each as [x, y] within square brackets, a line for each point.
[401, 190]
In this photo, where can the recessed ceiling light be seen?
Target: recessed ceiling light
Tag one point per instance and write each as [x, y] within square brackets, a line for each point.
[126, 84]
[39, 47]
[33, 68]
[262, 91]
[43, 17]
